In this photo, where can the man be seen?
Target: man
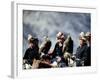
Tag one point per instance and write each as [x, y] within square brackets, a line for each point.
[32, 52]
[88, 39]
[57, 53]
[68, 45]
[68, 49]
[59, 45]
[45, 47]
[81, 53]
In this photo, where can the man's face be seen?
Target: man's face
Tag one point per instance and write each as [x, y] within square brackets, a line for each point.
[81, 42]
[31, 45]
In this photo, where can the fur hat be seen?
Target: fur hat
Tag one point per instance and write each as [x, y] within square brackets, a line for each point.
[59, 34]
[88, 34]
[82, 36]
[29, 37]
